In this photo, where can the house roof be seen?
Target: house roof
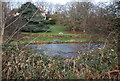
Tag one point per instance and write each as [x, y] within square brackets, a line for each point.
[41, 9]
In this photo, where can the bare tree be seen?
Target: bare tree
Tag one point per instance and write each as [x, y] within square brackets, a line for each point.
[76, 14]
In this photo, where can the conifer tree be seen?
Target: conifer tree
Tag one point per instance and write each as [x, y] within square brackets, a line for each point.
[32, 15]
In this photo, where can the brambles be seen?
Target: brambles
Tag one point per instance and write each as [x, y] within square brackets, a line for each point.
[25, 64]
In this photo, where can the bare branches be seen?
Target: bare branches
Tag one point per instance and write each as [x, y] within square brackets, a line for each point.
[17, 17]
[21, 27]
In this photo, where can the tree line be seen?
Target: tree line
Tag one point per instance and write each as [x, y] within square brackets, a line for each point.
[88, 17]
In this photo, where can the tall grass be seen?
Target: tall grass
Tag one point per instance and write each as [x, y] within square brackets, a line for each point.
[26, 64]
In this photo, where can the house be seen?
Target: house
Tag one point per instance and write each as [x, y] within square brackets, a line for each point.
[13, 12]
[43, 12]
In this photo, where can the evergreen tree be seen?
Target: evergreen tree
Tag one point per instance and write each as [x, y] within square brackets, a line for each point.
[30, 13]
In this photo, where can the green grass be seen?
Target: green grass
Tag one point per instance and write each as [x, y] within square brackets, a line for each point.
[55, 29]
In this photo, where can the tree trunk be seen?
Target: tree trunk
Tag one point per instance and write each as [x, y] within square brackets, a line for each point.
[2, 25]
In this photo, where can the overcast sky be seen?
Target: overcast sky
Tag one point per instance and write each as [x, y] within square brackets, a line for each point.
[55, 1]
[65, 1]
[62, 1]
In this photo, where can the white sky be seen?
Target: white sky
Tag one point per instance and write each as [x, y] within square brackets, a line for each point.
[58, 1]
[61, 1]
[65, 1]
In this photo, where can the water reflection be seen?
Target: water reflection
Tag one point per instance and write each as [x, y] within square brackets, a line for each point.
[65, 50]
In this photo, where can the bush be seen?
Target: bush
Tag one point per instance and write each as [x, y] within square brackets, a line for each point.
[33, 28]
[52, 22]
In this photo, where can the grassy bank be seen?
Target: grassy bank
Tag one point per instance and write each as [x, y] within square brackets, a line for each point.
[53, 35]
[54, 30]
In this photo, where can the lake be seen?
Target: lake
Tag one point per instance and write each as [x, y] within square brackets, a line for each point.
[66, 50]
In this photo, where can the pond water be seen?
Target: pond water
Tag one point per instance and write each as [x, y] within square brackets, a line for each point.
[65, 50]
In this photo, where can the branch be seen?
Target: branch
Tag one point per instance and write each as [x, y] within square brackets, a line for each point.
[21, 27]
[17, 18]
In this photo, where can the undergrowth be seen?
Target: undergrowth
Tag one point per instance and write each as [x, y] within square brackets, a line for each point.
[23, 63]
